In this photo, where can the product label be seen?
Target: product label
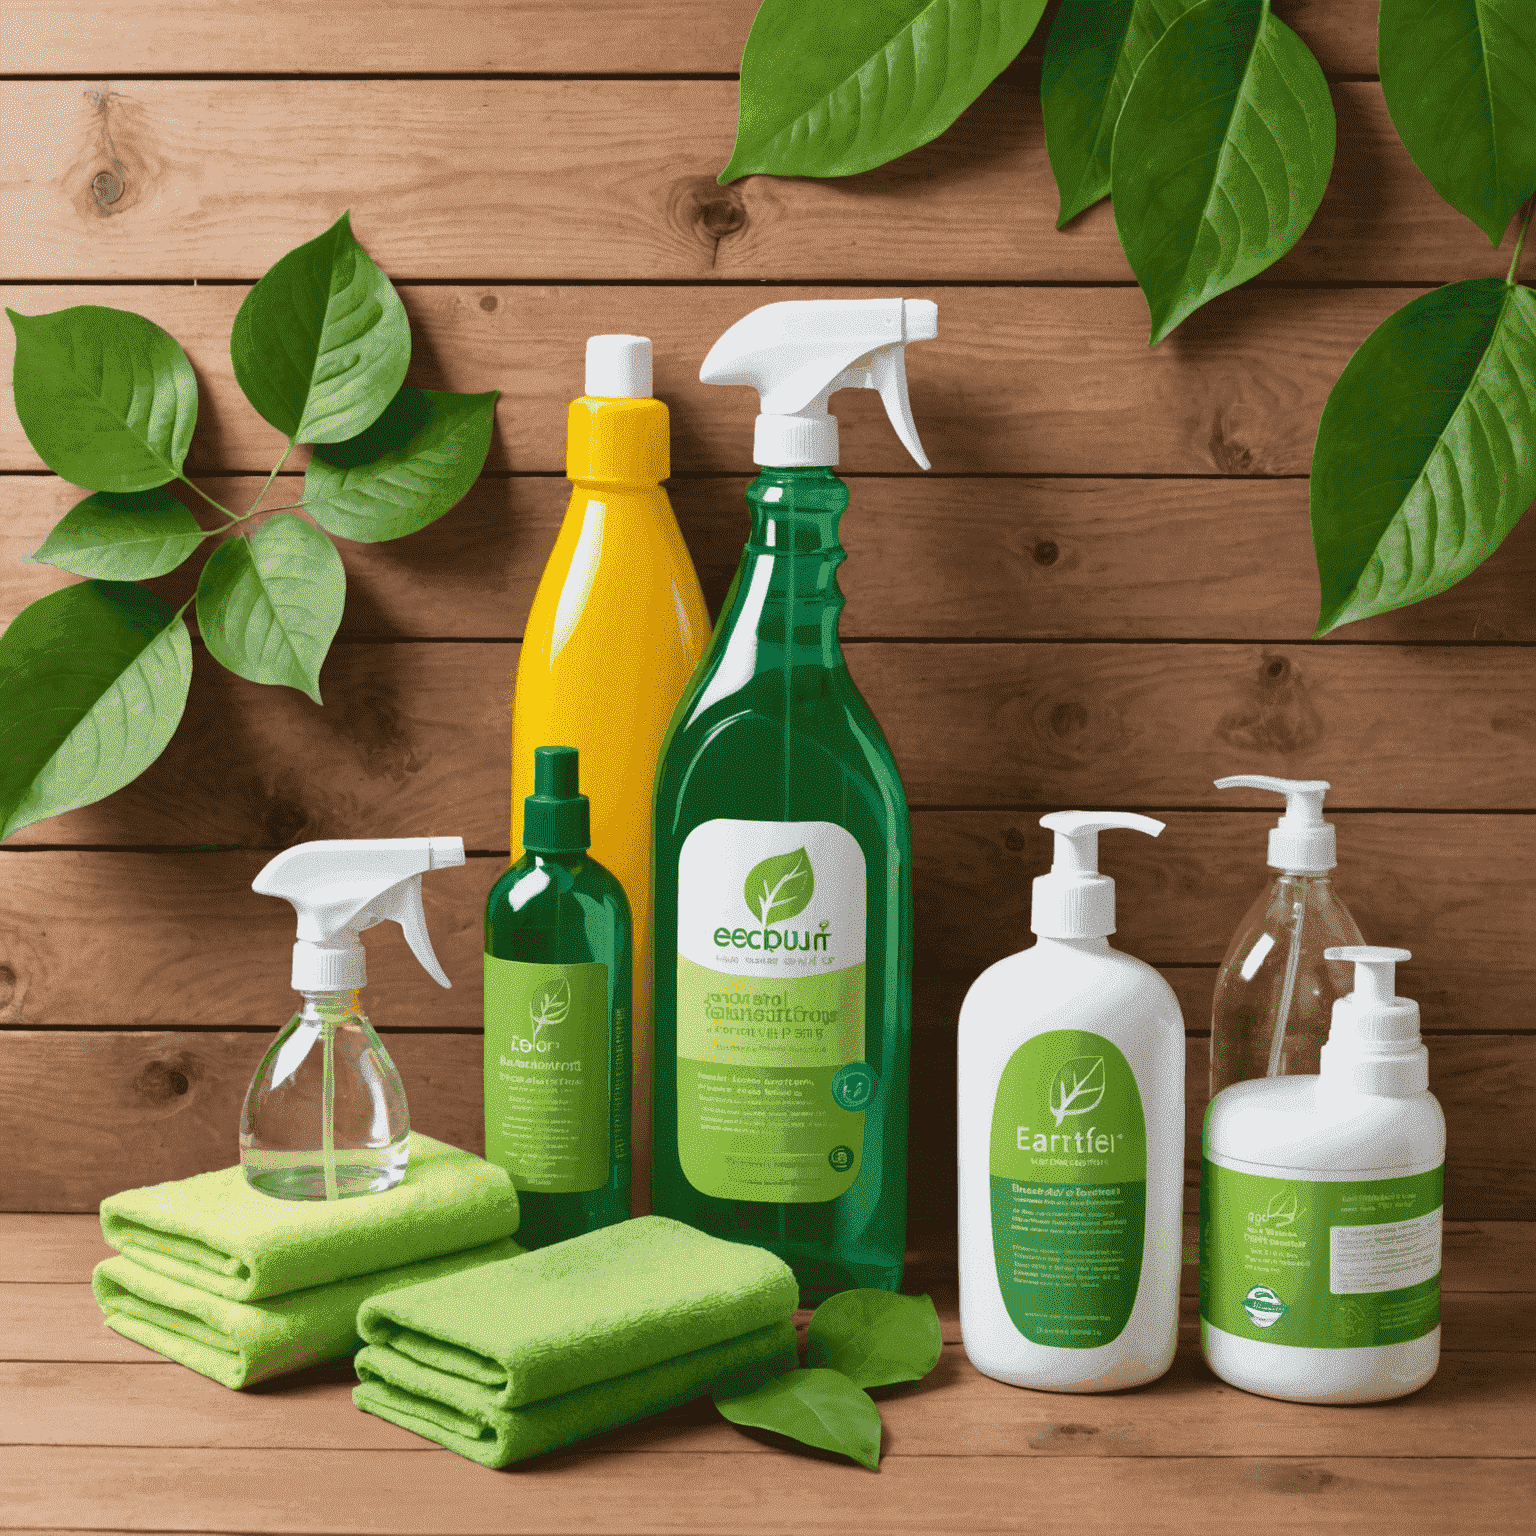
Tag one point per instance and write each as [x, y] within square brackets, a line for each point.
[1069, 1189]
[1322, 1264]
[547, 1095]
[771, 1079]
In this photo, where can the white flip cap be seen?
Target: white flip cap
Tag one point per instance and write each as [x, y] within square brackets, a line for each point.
[1075, 901]
[1373, 1044]
[619, 367]
[1302, 843]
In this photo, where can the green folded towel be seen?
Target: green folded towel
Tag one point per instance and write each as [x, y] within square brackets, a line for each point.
[591, 1308]
[218, 1234]
[464, 1417]
[239, 1343]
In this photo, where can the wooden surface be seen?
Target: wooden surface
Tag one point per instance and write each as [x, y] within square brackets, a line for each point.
[1103, 595]
[96, 1431]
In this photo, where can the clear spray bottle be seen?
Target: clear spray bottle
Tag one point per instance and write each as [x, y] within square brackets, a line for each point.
[1276, 989]
[325, 1116]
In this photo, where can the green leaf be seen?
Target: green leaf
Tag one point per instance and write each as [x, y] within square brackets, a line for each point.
[107, 399]
[1459, 77]
[414, 463]
[780, 887]
[830, 90]
[1092, 54]
[550, 1004]
[1426, 452]
[1078, 1087]
[93, 681]
[321, 343]
[816, 1407]
[268, 605]
[875, 1337]
[127, 537]
[1221, 155]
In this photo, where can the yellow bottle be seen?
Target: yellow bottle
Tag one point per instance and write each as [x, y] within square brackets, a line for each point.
[617, 625]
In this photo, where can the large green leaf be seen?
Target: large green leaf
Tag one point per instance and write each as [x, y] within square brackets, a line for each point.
[122, 537]
[414, 463]
[1221, 155]
[321, 343]
[1426, 453]
[268, 604]
[816, 1407]
[107, 399]
[875, 1337]
[1459, 77]
[1092, 54]
[830, 90]
[93, 681]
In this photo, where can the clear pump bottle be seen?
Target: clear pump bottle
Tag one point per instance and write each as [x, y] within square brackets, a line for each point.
[1276, 989]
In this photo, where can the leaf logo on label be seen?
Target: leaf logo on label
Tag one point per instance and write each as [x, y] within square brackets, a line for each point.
[780, 887]
[1282, 1208]
[1077, 1087]
[550, 1004]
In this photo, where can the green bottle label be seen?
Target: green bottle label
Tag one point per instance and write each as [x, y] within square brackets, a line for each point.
[547, 1108]
[1322, 1264]
[771, 1079]
[1069, 1189]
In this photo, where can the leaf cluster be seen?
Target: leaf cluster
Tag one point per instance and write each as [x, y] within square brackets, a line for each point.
[94, 678]
[856, 1340]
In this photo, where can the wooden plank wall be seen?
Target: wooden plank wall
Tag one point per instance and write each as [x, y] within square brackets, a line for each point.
[1102, 595]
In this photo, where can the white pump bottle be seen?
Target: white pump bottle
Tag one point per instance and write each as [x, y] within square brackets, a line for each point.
[329, 1123]
[1071, 1112]
[1320, 1211]
[1276, 989]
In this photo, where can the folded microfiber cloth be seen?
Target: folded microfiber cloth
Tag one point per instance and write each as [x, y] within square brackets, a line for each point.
[239, 1343]
[591, 1308]
[215, 1232]
[516, 1358]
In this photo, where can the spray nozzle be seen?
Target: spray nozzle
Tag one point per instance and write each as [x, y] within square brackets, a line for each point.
[1302, 841]
[1075, 901]
[798, 353]
[1374, 1045]
[343, 886]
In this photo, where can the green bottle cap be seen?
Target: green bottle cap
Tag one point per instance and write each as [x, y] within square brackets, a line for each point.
[556, 816]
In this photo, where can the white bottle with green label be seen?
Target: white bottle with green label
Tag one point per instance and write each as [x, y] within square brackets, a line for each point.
[1071, 1081]
[1320, 1211]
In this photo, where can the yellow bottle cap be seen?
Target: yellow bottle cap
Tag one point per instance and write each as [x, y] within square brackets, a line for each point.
[624, 442]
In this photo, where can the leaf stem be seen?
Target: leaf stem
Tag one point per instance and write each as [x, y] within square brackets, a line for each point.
[209, 499]
[255, 505]
[1525, 224]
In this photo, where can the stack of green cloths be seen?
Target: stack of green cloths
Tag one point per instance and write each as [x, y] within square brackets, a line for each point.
[517, 1358]
[242, 1286]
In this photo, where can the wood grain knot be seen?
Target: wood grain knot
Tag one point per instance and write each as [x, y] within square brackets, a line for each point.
[712, 211]
[160, 1082]
[489, 303]
[1013, 840]
[1045, 553]
[7, 985]
[1068, 719]
[107, 188]
[1057, 1436]
[1277, 666]
[1280, 1478]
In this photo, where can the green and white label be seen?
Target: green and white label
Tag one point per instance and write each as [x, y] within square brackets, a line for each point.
[772, 1085]
[1322, 1264]
[1069, 1189]
[547, 1096]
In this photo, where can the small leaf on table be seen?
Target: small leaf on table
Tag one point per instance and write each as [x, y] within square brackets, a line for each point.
[1426, 452]
[875, 1338]
[93, 681]
[830, 90]
[1221, 155]
[1459, 78]
[414, 463]
[1092, 54]
[127, 537]
[107, 399]
[268, 605]
[816, 1407]
[321, 343]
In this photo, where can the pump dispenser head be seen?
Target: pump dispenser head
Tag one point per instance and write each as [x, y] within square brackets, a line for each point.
[1374, 1044]
[1075, 901]
[557, 817]
[619, 367]
[798, 353]
[1302, 843]
[345, 885]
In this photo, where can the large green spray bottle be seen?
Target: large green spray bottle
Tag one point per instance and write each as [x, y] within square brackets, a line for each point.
[783, 858]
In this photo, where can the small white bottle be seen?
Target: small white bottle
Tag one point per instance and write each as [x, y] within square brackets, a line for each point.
[1320, 1212]
[1071, 1085]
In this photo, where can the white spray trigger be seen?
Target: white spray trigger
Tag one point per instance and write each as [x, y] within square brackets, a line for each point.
[1075, 901]
[1301, 841]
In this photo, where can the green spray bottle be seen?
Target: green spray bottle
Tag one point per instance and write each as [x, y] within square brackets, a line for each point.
[783, 856]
